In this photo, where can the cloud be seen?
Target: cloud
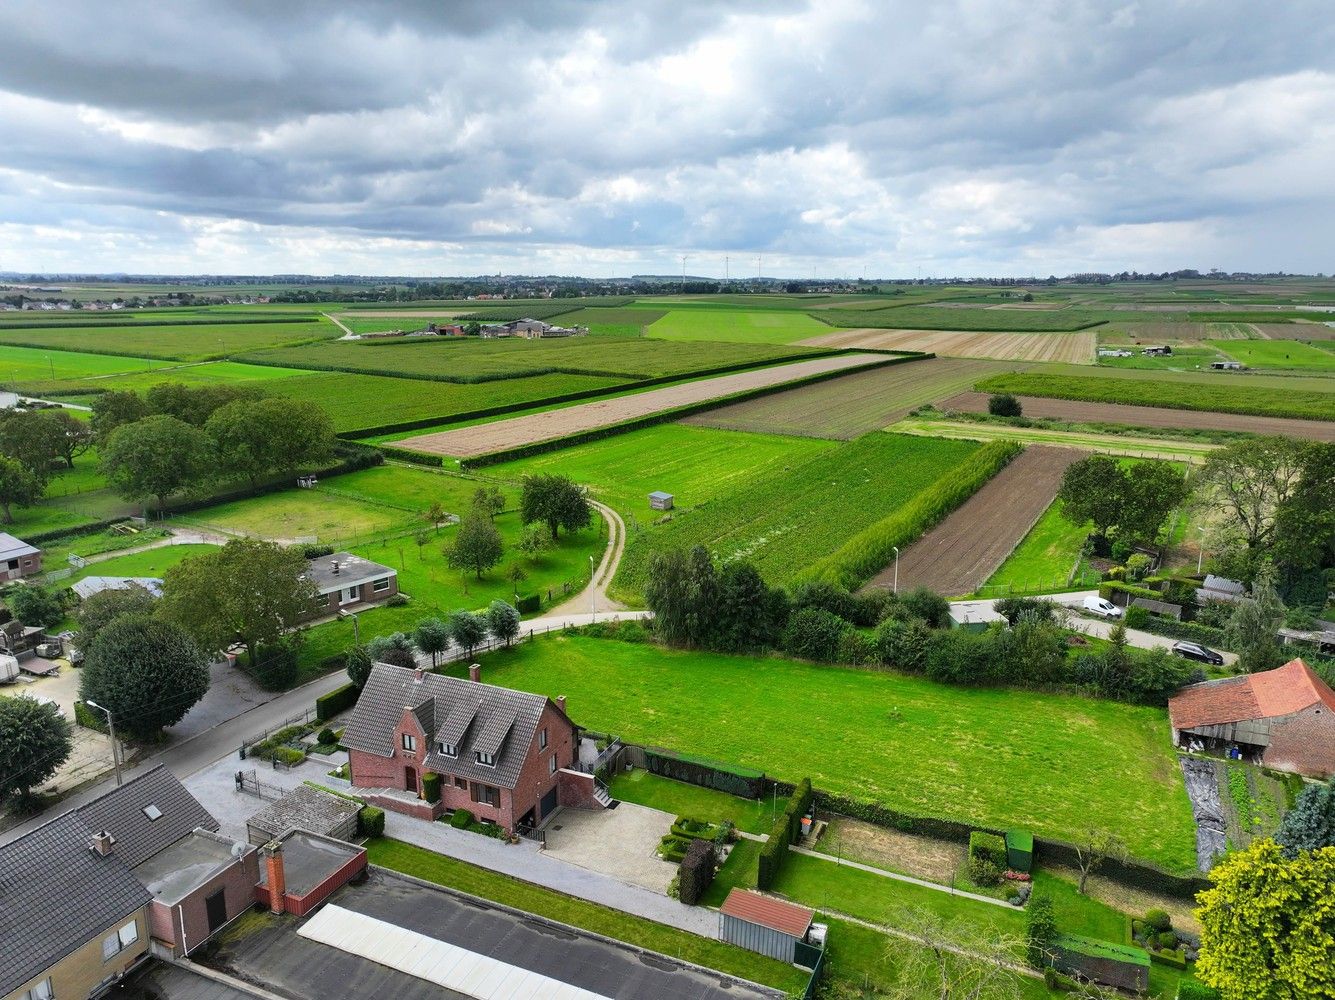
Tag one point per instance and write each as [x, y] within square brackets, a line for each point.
[972, 137]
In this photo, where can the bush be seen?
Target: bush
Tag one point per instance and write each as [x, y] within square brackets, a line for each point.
[926, 605]
[528, 604]
[697, 870]
[317, 551]
[903, 643]
[277, 666]
[461, 819]
[990, 847]
[1003, 404]
[814, 634]
[1136, 617]
[338, 700]
[1034, 608]
[1110, 589]
[1190, 989]
[984, 873]
[1166, 940]
[89, 719]
[1040, 930]
[327, 736]
[431, 786]
[371, 821]
[784, 832]
[855, 648]
[1158, 920]
[290, 756]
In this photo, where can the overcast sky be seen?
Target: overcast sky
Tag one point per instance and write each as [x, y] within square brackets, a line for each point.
[599, 138]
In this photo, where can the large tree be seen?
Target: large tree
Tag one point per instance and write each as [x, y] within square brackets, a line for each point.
[1154, 489]
[1248, 482]
[477, 544]
[1305, 519]
[260, 438]
[1253, 627]
[157, 457]
[555, 501]
[1091, 490]
[432, 636]
[101, 609]
[931, 965]
[18, 487]
[35, 739]
[683, 593]
[502, 621]
[468, 630]
[1268, 924]
[37, 438]
[116, 409]
[148, 673]
[1134, 501]
[249, 591]
[34, 605]
[1310, 824]
[195, 404]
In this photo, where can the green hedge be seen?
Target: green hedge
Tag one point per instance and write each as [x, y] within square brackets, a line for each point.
[1190, 989]
[987, 847]
[409, 455]
[528, 604]
[338, 700]
[1192, 631]
[460, 819]
[870, 550]
[86, 717]
[1174, 959]
[371, 821]
[775, 850]
[1109, 588]
[698, 868]
[431, 786]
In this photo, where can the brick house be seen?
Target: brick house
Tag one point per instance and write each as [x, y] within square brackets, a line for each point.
[1285, 716]
[506, 756]
[347, 581]
[18, 559]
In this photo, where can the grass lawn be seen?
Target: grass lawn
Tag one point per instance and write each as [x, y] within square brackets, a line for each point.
[1044, 558]
[695, 464]
[28, 364]
[657, 792]
[503, 889]
[737, 326]
[1279, 354]
[152, 563]
[186, 342]
[926, 748]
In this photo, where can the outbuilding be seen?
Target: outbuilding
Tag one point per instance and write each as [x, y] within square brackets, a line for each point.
[658, 500]
[762, 924]
[305, 808]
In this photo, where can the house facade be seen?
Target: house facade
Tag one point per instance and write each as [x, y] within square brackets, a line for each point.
[345, 581]
[505, 756]
[18, 559]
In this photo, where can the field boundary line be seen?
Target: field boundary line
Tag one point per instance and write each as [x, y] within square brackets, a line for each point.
[897, 877]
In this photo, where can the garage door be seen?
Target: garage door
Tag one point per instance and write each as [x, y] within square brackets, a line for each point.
[548, 804]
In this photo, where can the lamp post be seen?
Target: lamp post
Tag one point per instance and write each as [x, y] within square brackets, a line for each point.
[1200, 551]
[896, 548]
[111, 730]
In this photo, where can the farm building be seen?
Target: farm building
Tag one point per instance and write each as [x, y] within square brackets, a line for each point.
[1226, 366]
[764, 924]
[17, 558]
[974, 616]
[658, 500]
[1285, 717]
[344, 580]
[1157, 351]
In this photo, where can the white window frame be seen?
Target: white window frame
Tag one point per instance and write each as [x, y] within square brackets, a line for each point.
[409, 742]
[38, 991]
[485, 759]
[380, 586]
[551, 764]
[449, 750]
[119, 939]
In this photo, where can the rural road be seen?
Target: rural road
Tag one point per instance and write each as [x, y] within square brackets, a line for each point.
[594, 596]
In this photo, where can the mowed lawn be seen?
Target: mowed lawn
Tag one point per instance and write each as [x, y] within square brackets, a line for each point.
[1044, 557]
[1279, 354]
[737, 326]
[1053, 763]
[694, 464]
[151, 563]
[28, 364]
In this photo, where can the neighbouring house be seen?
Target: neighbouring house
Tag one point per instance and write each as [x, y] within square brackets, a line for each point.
[506, 756]
[21, 641]
[1285, 717]
[1157, 351]
[1219, 588]
[345, 581]
[18, 559]
[658, 500]
[764, 924]
[91, 585]
[305, 808]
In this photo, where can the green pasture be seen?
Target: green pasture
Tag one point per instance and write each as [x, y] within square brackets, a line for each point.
[1183, 359]
[737, 326]
[926, 748]
[1047, 554]
[1134, 445]
[1293, 354]
[187, 342]
[151, 563]
[30, 364]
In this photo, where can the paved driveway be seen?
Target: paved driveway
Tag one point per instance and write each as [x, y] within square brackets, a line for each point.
[619, 842]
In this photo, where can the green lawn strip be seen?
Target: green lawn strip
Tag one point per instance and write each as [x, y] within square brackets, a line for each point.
[1045, 556]
[190, 373]
[904, 741]
[508, 891]
[186, 342]
[42, 518]
[737, 326]
[646, 789]
[1124, 444]
[1291, 354]
[151, 563]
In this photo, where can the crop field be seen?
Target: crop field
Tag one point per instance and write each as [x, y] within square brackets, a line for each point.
[1183, 394]
[636, 317]
[366, 403]
[790, 518]
[853, 405]
[1061, 408]
[961, 552]
[1280, 354]
[1047, 553]
[1133, 445]
[472, 360]
[191, 342]
[1073, 348]
[737, 326]
[27, 364]
[1296, 331]
[998, 319]
[483, 439]
[914, 745]
[694, 464]
[188, 373]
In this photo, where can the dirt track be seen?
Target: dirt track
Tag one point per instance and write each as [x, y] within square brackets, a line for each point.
[959, 554]
[1072, 348]
[1151, 416]
[483, 439]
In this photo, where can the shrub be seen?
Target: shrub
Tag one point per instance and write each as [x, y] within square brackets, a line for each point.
[674, 887]
[371, 821]
[290, 756]
[1040, 930]
[327, 736]
[983, 872]
[1158, 920]
[697, 870]
[1137, 617]
[1190, 989]
[1110, 589]
[431, 786]
[396, 601]
[814, 634]
[903, 643]
[855, 648]
[461, 819]
[1166, 940]
[338, 700]
[89, 719]
[928, 606]
[277, 666]
[528, 604]
[989, 847]
[1003, 404]
[317, 551]
[1033, 608]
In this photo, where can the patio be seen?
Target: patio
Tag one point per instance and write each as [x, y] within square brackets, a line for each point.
[618, 842]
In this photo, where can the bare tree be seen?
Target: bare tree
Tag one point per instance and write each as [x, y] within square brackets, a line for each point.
[1093, 848]
[952, 961]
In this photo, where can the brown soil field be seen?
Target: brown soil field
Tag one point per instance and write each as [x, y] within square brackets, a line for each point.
[1073, 348]
[482, 439]
[960, 553]
[1296, 331]
[909, 854]
[852, 405]
[1151, 416]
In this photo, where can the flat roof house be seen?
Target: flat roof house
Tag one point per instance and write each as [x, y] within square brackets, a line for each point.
[17, 558]
[344, 580]
[506, 756]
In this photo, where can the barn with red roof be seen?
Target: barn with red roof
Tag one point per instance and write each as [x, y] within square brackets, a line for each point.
[1285, 717]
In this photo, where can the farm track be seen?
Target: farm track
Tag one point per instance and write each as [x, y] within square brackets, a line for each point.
[960, 553]
[483, 439]
[1072, 348]
[852, 405]
[1151, 416]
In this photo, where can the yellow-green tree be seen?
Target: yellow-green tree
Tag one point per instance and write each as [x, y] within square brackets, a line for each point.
[1268, 925]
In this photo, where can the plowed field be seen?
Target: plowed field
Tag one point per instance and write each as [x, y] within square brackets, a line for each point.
[483, 439]
[1074, 348]
[959, 554]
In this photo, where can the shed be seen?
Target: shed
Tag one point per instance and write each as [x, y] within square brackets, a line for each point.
[1123, 966]
[975, 616]
[1019, 850]
[1157, 351]
[659, 500]
[762, 924]
[1163, 608]
[305, 808]
[1226, 366]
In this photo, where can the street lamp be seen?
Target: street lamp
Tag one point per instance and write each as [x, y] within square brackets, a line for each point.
[111, 729]
[896, 548]
[1200, 551]
[356, 627]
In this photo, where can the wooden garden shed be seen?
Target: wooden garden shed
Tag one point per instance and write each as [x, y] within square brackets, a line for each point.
[762, 924]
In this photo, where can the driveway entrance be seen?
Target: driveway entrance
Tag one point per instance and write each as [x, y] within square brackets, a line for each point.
[618, 842]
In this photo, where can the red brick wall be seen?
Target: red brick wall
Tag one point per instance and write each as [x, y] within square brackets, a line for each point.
[302, 905]
[577, 790]
[536, 779]
[1303, 742]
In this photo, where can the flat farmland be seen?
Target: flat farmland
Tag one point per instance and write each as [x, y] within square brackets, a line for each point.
[1072, 348]
[959, 554]
[187, 342]
[1151, 416]
[963, 317]
[483, 439]
[366, 403]
[1133, 445]
[28, 364]
[1296, 331]
[1280, 354]
[737, 326]
[157, 372]
[853, 405]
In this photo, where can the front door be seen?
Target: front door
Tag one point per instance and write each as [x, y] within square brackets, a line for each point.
[410, 779]
[548, 805]
[349, 595]
[215, 906]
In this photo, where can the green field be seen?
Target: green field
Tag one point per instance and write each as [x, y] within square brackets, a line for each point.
[737, 326]
[961, 318]
[1183, 359]
[192, 342]
[789, 518]
[694, 464]
[1178, 394]
[1045, 557]
[918, 746]
[1279, 354]
[155, 373]
[26, 364]
[152, 563]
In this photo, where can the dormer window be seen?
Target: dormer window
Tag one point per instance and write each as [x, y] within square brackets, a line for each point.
[485, 759]
[448, 750]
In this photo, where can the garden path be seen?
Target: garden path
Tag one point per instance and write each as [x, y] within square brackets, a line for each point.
[901, 878]
[594, 597]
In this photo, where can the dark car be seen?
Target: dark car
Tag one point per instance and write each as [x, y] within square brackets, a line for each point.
[1195, 651]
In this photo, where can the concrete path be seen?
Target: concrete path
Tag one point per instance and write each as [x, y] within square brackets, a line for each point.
[948, 890]
[594, 596]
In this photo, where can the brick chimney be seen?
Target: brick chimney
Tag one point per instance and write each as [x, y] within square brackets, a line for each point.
[418, 674]
[272, 853]
[101, 843]
[561, 702]
[475, 673]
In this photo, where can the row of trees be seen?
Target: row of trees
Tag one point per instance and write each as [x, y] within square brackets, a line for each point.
[1127, 503]
[33, 443]
[433, 637]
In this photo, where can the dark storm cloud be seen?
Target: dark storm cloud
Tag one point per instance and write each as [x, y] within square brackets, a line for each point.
[981, 135]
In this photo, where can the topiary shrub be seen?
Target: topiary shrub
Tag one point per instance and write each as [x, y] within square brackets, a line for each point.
[1040, 930]
[1158, 920]
[327, 737]
[698, 868]
[431, 786]
[371, 821]
[1166, 940]
[461, 819]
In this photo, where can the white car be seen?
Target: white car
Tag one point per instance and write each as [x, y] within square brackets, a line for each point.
[1099, 606]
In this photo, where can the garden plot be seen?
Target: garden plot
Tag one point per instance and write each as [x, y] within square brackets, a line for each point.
[1073, 348]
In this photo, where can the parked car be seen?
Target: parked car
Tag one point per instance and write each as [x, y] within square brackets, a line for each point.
[1195, 651]
[1099, 606]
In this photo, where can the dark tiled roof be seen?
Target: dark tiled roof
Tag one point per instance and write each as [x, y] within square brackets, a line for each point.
[426, 716]
[56, 895]
[121, 813]
[497, 710]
